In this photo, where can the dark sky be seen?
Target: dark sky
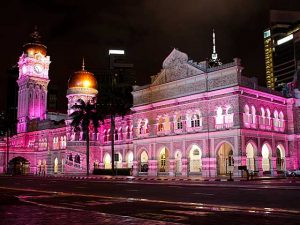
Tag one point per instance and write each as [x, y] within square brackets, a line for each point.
[146, 29]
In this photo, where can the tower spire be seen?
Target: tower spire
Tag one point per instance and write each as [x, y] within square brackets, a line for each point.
[35, 35]
[214, 55]
[83, 66]
[214, 61]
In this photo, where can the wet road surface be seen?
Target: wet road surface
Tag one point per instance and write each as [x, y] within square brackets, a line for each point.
[51, 201]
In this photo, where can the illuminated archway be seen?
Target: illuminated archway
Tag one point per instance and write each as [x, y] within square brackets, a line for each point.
[129, 159]
[119, 162]
[19, 166]
[163, 162]
[144, 162]
[39, 167]
[178, 162]
[280, 158]
[250, 157]
[107, 161]
[266, 154]
[195, 159]
[225, 160]
[56, 165]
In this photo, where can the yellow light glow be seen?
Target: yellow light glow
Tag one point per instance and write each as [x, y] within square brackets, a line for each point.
[86, 83]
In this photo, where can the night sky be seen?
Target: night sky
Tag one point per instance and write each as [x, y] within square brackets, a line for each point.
[147, 29]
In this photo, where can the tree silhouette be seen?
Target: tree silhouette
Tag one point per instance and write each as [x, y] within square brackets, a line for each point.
[83, 116]
[114, 100]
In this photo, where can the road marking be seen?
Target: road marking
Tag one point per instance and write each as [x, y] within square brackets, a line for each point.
[198, 193]
[214, 207]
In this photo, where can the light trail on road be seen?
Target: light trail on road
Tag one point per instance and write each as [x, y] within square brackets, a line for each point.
[210, 207]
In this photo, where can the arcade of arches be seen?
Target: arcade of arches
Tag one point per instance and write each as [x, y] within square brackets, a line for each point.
[191, 162]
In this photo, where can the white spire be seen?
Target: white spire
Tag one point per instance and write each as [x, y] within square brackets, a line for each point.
[214, 55]
[83, 63]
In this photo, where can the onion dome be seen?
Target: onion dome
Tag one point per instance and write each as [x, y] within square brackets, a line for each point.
[34, 45]
[82, 79]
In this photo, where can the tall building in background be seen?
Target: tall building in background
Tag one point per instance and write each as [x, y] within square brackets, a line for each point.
[281, 53]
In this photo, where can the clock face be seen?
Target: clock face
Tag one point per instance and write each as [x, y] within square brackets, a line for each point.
[38, 68]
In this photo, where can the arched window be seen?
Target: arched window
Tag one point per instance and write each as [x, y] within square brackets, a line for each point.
[77, 159]
[253, 115]
[105, 137]
[109, 135]
[262, 117]
[219, 116]
[166, 123]
[195, 120]
[281, 120]
[246, 114]
[127, 132]
[268, 117]
[276, 119]
[160, 124]
[178, 122]
[229, 117]
[116, 135]
[143, 126]
[120, 133]
[70, 157]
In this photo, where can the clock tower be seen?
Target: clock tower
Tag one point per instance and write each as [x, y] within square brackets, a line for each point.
[33, 82]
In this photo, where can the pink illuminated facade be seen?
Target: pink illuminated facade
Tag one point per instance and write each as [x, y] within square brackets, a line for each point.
[192, 120]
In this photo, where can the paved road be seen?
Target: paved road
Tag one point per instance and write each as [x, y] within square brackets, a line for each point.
[33, 200]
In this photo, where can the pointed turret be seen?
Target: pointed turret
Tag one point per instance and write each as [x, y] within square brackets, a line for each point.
[214, 61]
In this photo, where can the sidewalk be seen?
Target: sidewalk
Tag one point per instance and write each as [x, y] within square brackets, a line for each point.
[159, 179]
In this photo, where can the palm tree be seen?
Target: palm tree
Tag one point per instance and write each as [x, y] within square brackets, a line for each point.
[114, 100]
[84, 114]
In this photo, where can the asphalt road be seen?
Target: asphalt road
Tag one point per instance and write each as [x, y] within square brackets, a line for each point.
[34, 200]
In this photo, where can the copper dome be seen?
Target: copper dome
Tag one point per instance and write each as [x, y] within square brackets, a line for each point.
[82, 79]
[34, 45]
[34, 48]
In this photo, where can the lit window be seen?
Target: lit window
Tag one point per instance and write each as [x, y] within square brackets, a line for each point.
[276, 119]
[195, 120]
[160, 124]
[281, 120]
[179, 122]
[219, 117]
[253, 114]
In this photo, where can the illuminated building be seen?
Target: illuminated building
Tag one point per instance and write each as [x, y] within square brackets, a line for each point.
[282, 51]
[194, 119]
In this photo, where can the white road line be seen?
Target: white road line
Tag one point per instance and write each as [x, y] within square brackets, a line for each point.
[197, 193]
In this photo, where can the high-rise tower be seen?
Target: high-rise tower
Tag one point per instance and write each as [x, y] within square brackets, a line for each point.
[33, 82]
[281, 44]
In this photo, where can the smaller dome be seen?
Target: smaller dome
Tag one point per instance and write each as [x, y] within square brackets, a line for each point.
[33, 48]
[82, 79]
[35, 45]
